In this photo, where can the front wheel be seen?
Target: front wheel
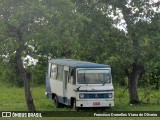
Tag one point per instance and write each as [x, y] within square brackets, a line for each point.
[57, 104]
[74, 105]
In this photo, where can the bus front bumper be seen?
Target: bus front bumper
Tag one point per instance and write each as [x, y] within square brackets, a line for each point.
[94, 103]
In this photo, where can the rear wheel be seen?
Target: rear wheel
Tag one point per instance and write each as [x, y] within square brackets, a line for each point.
[57, 104]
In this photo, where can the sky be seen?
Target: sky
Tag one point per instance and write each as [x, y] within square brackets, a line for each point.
[122, 24]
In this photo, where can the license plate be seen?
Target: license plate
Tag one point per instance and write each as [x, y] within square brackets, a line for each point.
[96, 103]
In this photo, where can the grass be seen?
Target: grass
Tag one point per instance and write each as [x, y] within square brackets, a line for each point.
[12, 99]
[149, 103]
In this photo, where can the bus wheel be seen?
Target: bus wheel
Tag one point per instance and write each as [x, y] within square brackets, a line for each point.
[74, 105]
[57, 104]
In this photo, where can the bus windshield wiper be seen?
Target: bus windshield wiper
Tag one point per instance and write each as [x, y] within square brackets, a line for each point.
[104, 82]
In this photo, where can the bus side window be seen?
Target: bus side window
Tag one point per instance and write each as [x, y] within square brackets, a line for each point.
[59, 72]
[53, 71]
[71, 76]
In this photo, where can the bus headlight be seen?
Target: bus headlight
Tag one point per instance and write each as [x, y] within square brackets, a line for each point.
[81, 95]
[110, 95]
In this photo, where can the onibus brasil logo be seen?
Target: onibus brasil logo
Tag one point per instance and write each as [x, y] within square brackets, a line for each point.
[20, 114]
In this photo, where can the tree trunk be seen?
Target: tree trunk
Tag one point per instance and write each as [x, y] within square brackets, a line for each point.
[28, 96]
[132, 87]
[22, 72]
[26, 78]
[133, 77]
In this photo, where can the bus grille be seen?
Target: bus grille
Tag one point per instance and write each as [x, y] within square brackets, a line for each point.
[97, 96]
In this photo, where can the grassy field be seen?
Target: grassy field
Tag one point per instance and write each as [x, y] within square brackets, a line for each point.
[12, 99]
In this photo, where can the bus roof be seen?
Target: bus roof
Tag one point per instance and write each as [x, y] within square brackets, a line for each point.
[77, 63]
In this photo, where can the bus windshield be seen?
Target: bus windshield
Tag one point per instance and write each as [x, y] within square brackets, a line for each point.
[94, 76]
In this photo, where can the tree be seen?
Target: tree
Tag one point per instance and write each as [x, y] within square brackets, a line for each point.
[135, 14]
[30, 24]
[18, 18]
[98, 36]
[124, 50]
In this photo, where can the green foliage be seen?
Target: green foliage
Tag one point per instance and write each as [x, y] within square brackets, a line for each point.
[38, 72]
[8, 73]
[81, 30]
[17, 17]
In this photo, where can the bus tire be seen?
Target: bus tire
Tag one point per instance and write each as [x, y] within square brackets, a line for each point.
[57, 104]
[74, 105]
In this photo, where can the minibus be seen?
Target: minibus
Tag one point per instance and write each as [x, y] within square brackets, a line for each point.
[79, 83]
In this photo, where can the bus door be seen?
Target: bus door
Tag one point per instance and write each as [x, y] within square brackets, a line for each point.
[65, 80]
